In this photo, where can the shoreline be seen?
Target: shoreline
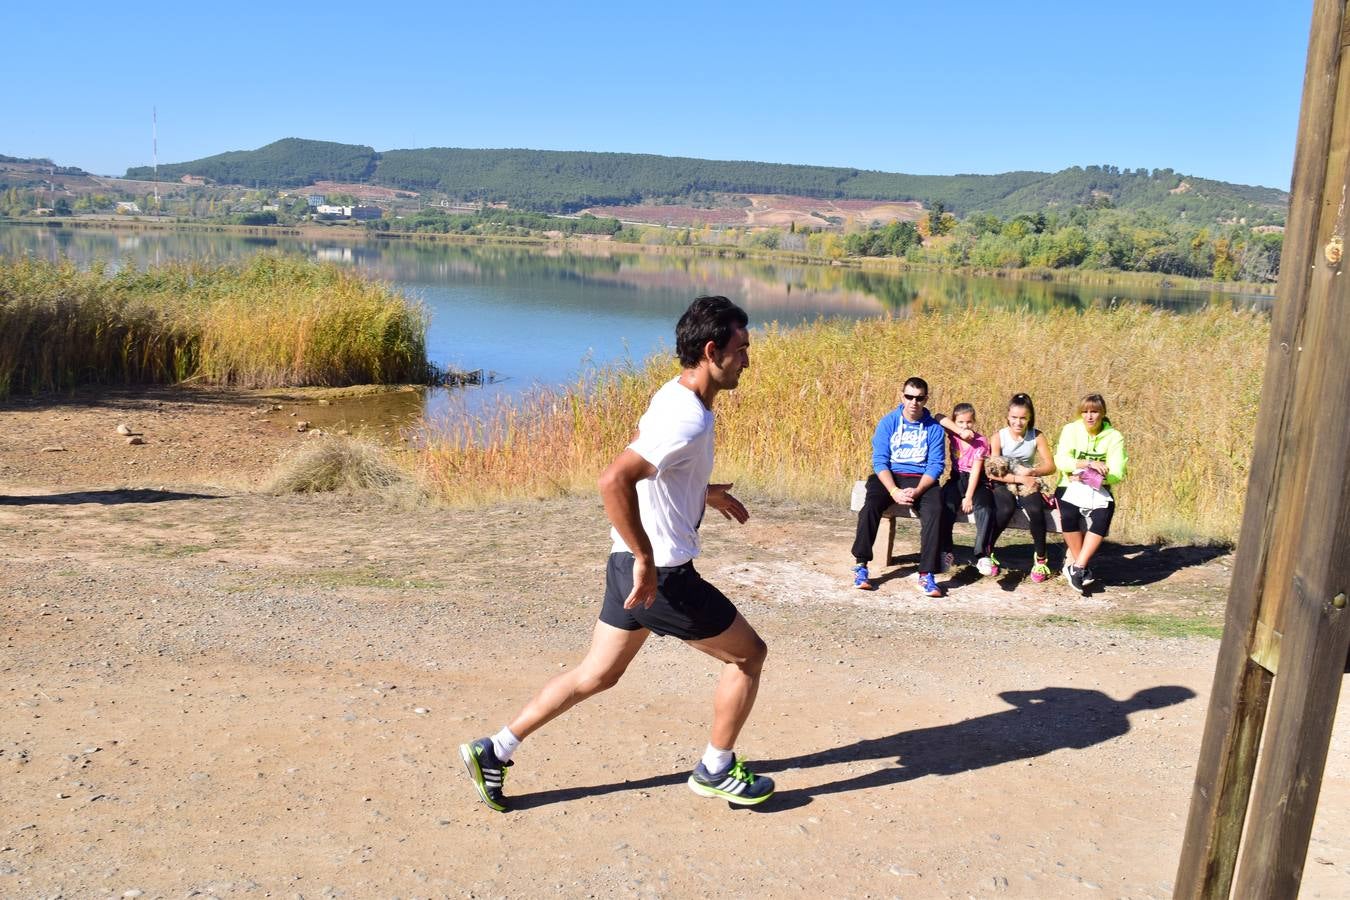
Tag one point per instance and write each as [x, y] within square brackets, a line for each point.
[604, 246]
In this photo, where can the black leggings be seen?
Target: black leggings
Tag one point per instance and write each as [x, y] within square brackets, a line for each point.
[953, 492]
[1005, 506]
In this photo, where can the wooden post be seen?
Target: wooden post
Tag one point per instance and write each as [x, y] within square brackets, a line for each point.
[1286, 613]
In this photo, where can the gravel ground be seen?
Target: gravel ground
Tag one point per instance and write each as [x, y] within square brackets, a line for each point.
[211, 691]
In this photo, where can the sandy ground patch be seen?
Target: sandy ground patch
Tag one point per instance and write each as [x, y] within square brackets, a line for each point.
[208, 690]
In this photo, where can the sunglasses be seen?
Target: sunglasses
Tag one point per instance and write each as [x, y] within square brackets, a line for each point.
[915, 398]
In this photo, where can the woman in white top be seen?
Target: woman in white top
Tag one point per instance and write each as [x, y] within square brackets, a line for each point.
[1022, 444]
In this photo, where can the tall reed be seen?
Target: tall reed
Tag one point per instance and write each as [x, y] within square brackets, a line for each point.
[1182, 388]
[268, 322]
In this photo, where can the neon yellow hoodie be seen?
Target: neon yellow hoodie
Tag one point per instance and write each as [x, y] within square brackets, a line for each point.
[1107, 445]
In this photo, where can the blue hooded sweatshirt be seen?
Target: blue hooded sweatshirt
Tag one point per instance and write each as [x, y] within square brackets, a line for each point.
[909, 448]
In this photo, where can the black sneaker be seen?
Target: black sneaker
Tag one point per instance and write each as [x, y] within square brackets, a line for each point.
[735, 784]
[1088, 577]
[1076, 577]
[487, 771]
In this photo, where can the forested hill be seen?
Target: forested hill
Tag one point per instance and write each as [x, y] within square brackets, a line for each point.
[288, 163]
[565, 181]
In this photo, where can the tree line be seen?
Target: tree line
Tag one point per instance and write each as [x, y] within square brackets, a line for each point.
[1127, 240]
[1075, 238]
[493, 221]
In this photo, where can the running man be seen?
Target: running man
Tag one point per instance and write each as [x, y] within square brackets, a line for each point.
[655, 493]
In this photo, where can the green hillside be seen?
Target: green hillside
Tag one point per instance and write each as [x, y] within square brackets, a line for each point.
[287, 163]
[1161, 191]
[566, 181]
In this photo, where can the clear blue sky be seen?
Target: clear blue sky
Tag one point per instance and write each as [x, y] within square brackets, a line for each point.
[1203, 87]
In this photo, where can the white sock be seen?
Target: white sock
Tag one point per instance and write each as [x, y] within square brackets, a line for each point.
[504, 744]
[715, 760]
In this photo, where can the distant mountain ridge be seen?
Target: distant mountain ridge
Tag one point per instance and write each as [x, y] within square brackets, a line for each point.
[567, 181]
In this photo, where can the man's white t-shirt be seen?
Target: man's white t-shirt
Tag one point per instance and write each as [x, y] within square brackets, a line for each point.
[675, 435]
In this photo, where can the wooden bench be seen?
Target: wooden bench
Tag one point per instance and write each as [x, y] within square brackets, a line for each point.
[896, 511]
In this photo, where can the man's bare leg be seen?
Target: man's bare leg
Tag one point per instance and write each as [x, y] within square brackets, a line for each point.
[611, 650]
[744, 652]
[719, 774]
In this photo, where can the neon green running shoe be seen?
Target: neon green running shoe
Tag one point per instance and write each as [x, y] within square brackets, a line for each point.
[736, 784]
[488, 772]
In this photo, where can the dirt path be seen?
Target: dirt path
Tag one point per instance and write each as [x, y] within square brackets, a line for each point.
[209, 690]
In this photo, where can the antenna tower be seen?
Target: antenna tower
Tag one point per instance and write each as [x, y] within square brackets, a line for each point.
[154, 149]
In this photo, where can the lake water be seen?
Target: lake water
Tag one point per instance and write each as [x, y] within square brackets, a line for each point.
[546, 316]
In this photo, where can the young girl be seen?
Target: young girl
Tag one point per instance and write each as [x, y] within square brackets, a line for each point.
[1022, 444]
[1091, 458]
[966, 491]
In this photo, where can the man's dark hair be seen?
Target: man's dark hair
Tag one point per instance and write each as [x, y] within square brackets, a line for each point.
[707, 319]
[917, 383]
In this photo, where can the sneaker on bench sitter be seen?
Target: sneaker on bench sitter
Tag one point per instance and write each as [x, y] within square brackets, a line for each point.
[1041, 570]
[928, 585]
[861, 579]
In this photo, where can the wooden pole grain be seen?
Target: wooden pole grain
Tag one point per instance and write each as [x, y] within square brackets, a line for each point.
[1287, 632]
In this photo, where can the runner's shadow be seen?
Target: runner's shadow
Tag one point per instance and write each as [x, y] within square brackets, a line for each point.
[106, 498]
[1039, 722]
[563, 795]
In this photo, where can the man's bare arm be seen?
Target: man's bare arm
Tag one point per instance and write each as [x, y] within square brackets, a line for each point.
[618, 490]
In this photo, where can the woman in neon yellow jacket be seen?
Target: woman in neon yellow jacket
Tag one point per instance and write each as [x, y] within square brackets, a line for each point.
[1090, 456]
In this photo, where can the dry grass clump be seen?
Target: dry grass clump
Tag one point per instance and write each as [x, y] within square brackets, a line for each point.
[341, 464]
[268, 322]
[1182, 388]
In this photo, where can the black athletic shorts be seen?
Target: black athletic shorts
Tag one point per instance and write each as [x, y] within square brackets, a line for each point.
[686, 606]
[1094, 521]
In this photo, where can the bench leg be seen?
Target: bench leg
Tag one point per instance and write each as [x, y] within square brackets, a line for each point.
[890, 542]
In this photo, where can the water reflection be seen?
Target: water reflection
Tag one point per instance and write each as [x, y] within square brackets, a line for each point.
[543, 316]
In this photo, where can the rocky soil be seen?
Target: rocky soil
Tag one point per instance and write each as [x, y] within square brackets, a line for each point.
[206, 690]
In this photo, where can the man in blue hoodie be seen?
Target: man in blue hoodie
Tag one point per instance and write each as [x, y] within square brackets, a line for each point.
[909, 453]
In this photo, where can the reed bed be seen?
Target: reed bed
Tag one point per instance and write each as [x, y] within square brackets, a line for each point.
[268, 322]
[1183, 389]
